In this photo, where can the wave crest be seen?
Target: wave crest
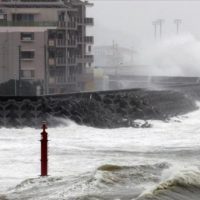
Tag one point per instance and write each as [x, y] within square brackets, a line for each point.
[180, 184]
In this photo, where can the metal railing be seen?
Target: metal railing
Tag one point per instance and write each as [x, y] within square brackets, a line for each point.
[85, 59]
[89, 39]
[71, 43]
[61, 42]
[60, 60]
[14, 23]
[67, 25]
[71, 25]
[86, 39]
[86, 21]
[89, 21]
[71, 61]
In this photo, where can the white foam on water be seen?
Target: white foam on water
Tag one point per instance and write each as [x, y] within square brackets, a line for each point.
[75, 150]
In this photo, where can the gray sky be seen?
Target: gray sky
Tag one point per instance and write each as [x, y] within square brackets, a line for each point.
[130, 22]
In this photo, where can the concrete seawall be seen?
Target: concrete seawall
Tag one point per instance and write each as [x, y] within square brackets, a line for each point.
[108, 109]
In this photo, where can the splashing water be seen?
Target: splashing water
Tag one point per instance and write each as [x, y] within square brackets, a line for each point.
[172, 56]
[90, 163]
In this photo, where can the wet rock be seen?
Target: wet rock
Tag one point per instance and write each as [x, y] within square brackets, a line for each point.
[107, 109]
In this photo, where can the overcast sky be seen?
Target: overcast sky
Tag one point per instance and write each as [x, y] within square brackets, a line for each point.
[129, 22]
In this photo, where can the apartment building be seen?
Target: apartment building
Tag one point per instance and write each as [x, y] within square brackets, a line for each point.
[45, 41]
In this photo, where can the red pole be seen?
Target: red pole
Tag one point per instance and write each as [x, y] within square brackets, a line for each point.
[44, 151]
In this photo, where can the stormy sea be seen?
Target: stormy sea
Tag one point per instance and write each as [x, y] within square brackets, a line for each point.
[158, 162]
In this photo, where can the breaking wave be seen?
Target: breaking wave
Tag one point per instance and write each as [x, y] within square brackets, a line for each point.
[105, 182]
[185, 185]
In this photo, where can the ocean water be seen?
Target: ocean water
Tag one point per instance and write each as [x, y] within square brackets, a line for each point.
[85, 163]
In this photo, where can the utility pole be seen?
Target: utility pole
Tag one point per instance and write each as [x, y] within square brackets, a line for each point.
[45, 71]
[15, 83]
[159, 23]
[177, 23]
[116, 62]
[155, 29]
[19, 69]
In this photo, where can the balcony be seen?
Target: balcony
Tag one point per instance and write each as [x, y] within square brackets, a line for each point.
[57, 80]
[71, 61]
[61, 24]
[85, 59]
[89, 58]
[71, 26]
[79, 40]
[24, 3]
[85, 21]
[89, 39]
[71, 43]
[65, 25]
[60, 61]
[22, 23]
[88, 21]
[61, 43]
[79, 21]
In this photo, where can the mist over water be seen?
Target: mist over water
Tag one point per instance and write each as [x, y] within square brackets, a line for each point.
[176, 55]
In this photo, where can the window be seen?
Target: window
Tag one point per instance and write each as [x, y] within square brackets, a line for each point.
[52, 54]
[52, 34]
[27, 36]
[1, 16]
[27, 54]
[89, 48]
[27, 74]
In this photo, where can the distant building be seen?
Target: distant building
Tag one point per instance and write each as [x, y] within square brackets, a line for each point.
[112, 56]
[109, 61]
[45, 41]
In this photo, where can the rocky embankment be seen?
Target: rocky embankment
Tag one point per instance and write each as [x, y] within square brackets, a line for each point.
[110, 109]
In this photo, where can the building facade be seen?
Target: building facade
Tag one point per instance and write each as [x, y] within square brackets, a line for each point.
[45, 41]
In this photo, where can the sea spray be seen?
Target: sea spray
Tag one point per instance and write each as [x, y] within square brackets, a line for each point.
[176, 55]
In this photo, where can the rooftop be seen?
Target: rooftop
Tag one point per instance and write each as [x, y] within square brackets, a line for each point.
[32, 3]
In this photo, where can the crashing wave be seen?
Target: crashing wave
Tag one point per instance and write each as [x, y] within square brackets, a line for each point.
[184, 186]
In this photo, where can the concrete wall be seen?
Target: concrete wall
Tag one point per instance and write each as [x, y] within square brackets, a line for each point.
[9, 54]
[40, 14]
[110, 109]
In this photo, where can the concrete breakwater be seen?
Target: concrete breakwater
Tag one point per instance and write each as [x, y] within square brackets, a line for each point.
[108, 109]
